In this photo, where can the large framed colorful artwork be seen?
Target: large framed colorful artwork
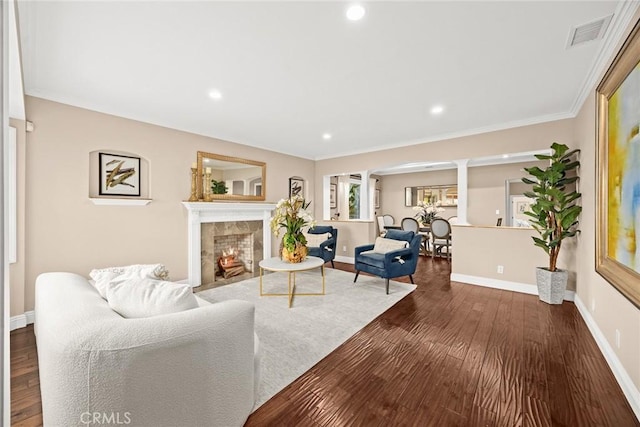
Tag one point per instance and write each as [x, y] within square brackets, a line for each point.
[618, 179]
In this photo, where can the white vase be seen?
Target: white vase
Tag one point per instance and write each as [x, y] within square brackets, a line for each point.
[551, 285]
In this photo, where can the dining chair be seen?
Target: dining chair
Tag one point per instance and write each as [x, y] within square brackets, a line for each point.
[441, 237]
[452, 220]
[411, 224]
[388, 219]
[381, 225]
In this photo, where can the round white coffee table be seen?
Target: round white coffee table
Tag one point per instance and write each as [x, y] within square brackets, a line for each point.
[276, 264]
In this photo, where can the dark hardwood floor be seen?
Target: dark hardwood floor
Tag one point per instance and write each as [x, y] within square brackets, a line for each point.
[448, 354]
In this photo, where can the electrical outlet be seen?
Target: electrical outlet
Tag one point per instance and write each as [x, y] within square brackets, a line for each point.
[500, 269]
[497, 211]
[344, 249]
[593, 305]
[617, 338]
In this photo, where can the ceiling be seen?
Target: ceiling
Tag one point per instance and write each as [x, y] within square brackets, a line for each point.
[288, 72]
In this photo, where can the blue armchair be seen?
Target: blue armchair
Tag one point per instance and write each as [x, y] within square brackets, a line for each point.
[327, 249]
[396, 263]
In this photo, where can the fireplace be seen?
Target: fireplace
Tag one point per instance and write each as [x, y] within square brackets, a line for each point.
[230, 251]
[210, 221]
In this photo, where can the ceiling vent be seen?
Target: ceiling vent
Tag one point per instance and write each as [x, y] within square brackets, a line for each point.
[590, 31]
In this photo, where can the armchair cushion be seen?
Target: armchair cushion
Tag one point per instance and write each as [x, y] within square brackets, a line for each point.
[315, 240]
[406, 236]
[384, 245]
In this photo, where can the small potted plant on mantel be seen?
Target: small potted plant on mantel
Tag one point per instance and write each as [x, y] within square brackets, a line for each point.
[554, 215]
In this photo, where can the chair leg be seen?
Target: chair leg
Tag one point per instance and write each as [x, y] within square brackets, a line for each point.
[387, 282]
[411, 278]
[356, 278]
[332, 266]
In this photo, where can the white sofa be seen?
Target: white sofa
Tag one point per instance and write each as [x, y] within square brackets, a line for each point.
[199, 367]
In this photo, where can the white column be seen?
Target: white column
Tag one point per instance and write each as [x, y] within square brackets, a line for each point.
[326, 189]
[463, 190]
[364, 195]
[194, 248]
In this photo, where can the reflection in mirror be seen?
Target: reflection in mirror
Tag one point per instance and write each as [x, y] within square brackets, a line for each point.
[517, 203]
[230, 178]
[446, 195]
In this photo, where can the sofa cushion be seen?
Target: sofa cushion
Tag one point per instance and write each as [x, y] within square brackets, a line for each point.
[314, 240]
[384, 245]
[136, 297]
[102, 277]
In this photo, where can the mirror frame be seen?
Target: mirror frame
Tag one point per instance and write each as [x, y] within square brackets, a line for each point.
[199, 186]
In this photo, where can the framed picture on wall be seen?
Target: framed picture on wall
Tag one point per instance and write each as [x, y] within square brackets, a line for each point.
[333, 198]
[296, 186]
[522, 207]
[618, 177]
[377, 198]
[119, 175]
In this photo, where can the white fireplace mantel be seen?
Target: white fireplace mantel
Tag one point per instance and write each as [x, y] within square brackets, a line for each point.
[204, 212]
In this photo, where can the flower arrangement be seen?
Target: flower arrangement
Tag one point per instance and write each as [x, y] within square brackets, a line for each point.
[292, 216]
[427, 211]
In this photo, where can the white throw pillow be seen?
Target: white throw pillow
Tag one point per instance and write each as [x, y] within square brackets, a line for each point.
[134, 298]
[104, 276]
[382, 245]
[314, 240]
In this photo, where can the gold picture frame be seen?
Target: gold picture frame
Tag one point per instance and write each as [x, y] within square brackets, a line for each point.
[618, 177]
[254, 176]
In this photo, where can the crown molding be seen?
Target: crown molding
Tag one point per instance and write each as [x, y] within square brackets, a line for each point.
[622, 17]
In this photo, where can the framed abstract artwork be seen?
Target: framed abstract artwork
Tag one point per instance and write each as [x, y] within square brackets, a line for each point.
[618, 178]
[119, 175]
[296, 186]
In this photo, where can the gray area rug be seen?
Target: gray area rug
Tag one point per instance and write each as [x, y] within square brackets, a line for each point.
[294, 339]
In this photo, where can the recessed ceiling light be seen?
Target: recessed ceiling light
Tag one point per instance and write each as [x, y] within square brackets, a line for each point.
[505, 156]
[437, 109]
[215, 94]
[326, 136]
[355, 12]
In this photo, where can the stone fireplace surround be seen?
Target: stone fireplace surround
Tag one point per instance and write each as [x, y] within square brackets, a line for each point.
[207, 212]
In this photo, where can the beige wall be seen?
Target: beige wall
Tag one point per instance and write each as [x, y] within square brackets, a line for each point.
[612, 310]
[17, 269]
[392, 194]
[480, 250]
[486, 190]
[66, 232]
[515, 140]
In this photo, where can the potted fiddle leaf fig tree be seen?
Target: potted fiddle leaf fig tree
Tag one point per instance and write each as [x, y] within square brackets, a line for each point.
[554, 215]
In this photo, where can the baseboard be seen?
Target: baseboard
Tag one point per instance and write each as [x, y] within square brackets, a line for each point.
[506, 285]
[347, 259]
[629, 389]
[22, 320]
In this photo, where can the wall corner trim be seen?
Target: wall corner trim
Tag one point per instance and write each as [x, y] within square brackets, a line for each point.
[506, 285]
[629, 389]
[22, 320]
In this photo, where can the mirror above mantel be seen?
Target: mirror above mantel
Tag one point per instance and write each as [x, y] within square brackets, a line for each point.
[445, 195]
[230, 178]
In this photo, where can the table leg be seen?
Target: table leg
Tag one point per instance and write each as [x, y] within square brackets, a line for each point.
[261, 281]
[322, 268]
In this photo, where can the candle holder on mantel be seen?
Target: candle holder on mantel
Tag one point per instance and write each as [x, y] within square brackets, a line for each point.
[206, 186]
[194, 178]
